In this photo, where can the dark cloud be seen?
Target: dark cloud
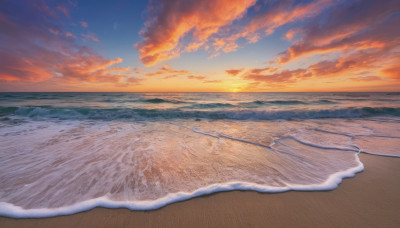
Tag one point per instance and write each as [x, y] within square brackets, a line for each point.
[355, 25]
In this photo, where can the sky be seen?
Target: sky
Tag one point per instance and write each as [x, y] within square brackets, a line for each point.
[199, 46]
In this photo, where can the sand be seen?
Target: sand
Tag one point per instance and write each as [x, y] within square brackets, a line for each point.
[370, 199]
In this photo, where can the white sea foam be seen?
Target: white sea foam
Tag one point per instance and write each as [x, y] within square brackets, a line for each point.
[64, 167]
[10, 210]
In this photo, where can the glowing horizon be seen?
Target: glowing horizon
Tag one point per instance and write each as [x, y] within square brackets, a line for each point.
[200, 46]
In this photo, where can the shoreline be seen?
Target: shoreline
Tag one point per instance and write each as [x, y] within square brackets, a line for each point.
[370, 199]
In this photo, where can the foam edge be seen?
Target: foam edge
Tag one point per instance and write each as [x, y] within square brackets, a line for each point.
[333, 181]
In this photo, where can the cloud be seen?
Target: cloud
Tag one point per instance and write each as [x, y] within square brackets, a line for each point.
[163, 71]
[357, 25]
[292, 33]
[212, 81]
[167, 30]
[234, 72]
[64, 10]
[260, 70]
[271, 16]
[180, 26]
[35, 47]
[135, 81]
[367, 78]
[278, 13]
[91, 68]
[91, 36]
[392, 71]
[168, 70]
[285, 76]
[361, 34]
[364, 36]
[68, 34]
[169, 73]
[170, 76]
[14, 68]
[358, 63]
[84, 24]
[201, 78]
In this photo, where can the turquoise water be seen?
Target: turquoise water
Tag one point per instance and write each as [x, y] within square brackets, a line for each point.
[62, 153]
[240, 106]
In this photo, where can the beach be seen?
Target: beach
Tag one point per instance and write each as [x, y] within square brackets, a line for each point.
[199, 159]
[211, 113]
[370, 199]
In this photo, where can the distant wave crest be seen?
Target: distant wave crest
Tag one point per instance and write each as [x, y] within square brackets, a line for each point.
[41, 112]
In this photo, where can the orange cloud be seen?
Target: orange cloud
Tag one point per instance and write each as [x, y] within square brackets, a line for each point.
[39, 53]
[196, 77]
[362, 61]
[234, 72]
[366, 78]
[359, 63]
[168, 70]
[212, 81]
[260, 70]
[92, 68]
[203, 79]
[170, 76]
[172, 20]
[287, 76]
[163, 71]
[392, 71]
[366, 41]
[14, 68]
[291, 34]
[264, 24]
[136, 81]
[180, 26]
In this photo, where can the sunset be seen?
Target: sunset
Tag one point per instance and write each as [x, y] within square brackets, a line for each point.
[199, 113]
[207, 46]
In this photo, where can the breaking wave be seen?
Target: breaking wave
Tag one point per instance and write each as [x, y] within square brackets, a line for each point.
[79, 113]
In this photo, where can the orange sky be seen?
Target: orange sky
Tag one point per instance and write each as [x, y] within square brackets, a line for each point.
[208, 46]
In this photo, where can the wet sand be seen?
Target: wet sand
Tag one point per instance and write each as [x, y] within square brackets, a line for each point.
[370, 199]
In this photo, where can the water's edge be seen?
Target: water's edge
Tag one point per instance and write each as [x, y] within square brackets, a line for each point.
[10, 210]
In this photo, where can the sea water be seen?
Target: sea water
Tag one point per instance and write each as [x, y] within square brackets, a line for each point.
[62, 153]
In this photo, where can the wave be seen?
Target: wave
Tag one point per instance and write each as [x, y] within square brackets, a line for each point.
[132, 155]
[288, 102]
[40, 112]
[325, 102]
[116, 166]
[159, 100]
[210, 105]
[281, 102]
[151, 101]
[13, 211]
[393, 94]
[352, 94]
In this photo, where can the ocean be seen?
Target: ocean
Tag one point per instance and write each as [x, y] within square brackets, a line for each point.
[63, 153]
